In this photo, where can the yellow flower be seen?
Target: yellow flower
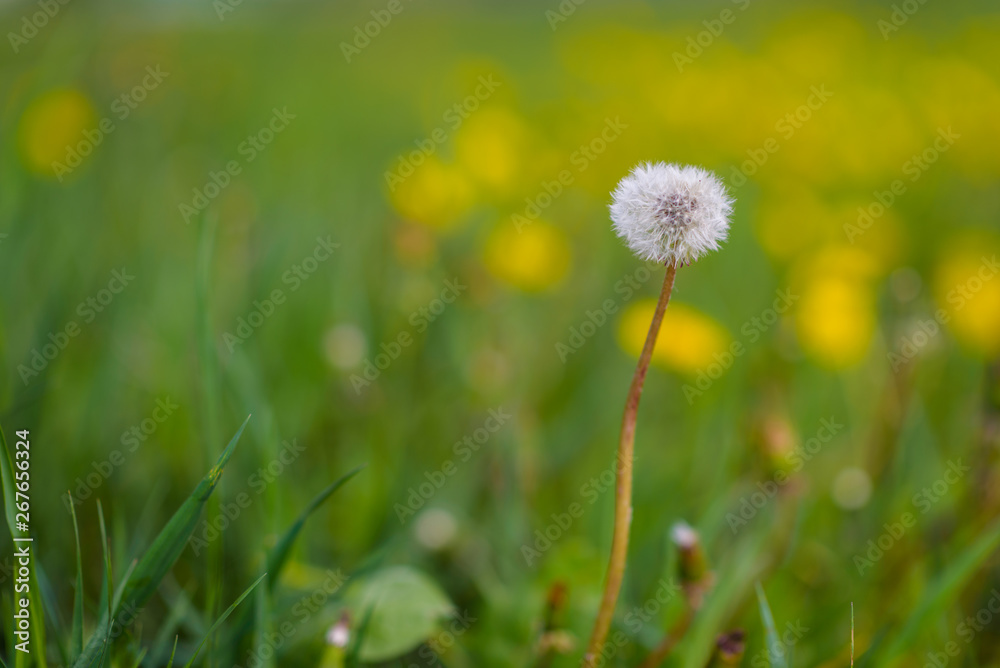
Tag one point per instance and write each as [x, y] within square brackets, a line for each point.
[51, 125]
[967, 288]
[534, 259]
[958, 95]
[435, 194]
[490, 146]
[836, 317]
[835, 320]
[792, 220]
[688, 341]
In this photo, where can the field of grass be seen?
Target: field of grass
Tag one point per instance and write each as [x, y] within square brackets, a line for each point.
[381, 231]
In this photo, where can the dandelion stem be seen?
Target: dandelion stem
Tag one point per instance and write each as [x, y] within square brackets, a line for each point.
[623, 488]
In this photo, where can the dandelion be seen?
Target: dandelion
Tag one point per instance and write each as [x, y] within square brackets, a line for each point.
[671, 214]
[674, 215]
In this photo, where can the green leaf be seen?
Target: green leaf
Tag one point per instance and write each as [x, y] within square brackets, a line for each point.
[405, 607]
[278, 555]
[942, 593]
[221, 619]
[164, 551]
[776, 653]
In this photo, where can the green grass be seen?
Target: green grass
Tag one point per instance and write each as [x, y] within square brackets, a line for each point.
[127, 545]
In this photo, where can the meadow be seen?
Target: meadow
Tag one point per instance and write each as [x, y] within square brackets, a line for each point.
[330, 292]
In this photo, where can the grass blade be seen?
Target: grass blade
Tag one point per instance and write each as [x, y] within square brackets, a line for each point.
[172, 654]
[353, 658]
[138, 659]
[165, 550]
[51, 607]
[776, 653]
[108, 579]
[76, 629]
[221, 619]
[278, 555]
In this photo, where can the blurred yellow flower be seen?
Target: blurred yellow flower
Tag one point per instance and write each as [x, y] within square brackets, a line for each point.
[967, 289]
[435, 194]
[956, 94]
[490, 146]
[817, 45]
[532, 259]
[51, 124]
[883, 237]
[868, 135]
[793, 220]
[849, 262]
[689, 340]
[836, 319]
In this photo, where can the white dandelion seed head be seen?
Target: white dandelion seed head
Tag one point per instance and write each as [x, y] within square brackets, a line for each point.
[671, 213]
